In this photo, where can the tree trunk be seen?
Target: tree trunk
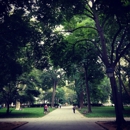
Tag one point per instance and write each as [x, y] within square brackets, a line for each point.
[120, 86]
[104, 57]
[88, 92]
[53, 94]
[117, 102]
[81, 99]
[17, 105]
[7, 111]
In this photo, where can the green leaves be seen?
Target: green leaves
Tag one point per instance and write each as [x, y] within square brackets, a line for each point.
[19, 46]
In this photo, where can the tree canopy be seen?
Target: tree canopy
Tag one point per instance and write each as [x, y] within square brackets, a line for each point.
[29, 38]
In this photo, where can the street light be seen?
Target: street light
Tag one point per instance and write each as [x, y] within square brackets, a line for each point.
[109, 72]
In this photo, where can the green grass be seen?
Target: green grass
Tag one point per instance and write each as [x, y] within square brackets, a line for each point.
[24, 113]
[104, 112]
[38, 112]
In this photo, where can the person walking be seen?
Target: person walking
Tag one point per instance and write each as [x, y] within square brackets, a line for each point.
[74, 109]
[60, 105]
[45, 108]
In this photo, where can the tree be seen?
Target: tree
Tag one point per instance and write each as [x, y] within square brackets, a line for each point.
[20, 28]
[82, 56]
[122, 73]
[100, 92]
[22, 91]
[28, 86]
[111, 25]
[20, 46]
[110, 31]
[51, 78]
[17, 33]
[115, 53]
[60, 95]
[116, 32]
[9, 93]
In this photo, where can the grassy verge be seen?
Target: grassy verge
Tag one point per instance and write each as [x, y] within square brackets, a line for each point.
[24, 113]
[103, 112]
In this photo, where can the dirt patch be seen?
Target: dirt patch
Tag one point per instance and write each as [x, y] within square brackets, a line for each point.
[10, 125]
[111, 125]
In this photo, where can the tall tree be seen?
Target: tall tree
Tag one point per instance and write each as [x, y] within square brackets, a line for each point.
[110, 30]
[51, 79]
[82, 53]
[111, 24]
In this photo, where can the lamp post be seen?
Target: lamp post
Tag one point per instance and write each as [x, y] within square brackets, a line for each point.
[109, 72]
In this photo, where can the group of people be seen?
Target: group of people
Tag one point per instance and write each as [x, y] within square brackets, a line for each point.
[46, 108]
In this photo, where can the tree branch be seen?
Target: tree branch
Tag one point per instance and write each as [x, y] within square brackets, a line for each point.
[78, 28]
[122, 53]
[121, 42]
[114, 39]
[127, 59]
[98, 49]
[124, 87]
[104, 21]
[89, 12]
[89, 16]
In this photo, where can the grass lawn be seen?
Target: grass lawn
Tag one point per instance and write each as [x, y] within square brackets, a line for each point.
[24, 113]
[104, 112]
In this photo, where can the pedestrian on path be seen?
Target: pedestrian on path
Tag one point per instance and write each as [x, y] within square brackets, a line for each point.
[45, 108]
[60, 105]
[74, 109]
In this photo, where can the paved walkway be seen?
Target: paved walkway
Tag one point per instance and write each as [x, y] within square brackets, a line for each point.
[61, 119]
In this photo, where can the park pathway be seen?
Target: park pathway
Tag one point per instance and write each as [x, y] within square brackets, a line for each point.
[61, 119]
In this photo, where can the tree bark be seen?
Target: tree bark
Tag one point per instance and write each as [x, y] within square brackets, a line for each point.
[107, 63]
[53, 94]
[7, 111]
[120, 86]
[81, 98]
[87, 91]
[117, 102]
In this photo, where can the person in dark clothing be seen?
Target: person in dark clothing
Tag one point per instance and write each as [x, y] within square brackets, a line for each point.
[74, 109]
